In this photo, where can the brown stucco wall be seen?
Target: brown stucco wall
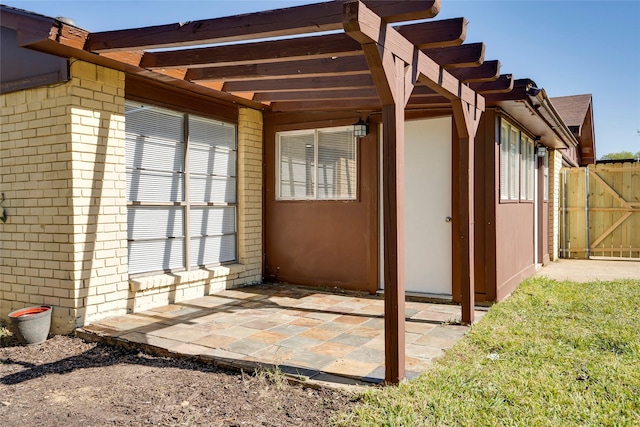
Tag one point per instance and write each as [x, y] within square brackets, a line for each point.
[324, 243]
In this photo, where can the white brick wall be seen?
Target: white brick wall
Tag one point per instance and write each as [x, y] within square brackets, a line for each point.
[53, 247]
[98, 189]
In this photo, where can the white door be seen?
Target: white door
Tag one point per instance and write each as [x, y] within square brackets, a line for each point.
[428, 252]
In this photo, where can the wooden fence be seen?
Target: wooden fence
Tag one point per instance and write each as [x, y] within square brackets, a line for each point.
[600, 211]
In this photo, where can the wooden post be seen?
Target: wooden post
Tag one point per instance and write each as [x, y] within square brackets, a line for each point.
[466, 121]
[466, 226]
[396, 65]
[393, 207]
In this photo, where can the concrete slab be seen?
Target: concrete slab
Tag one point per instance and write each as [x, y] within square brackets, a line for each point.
[589, 270]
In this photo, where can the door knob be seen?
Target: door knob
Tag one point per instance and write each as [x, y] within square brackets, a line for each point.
[448, 219]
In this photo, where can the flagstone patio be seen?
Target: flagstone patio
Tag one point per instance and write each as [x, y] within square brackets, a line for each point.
[316, 334]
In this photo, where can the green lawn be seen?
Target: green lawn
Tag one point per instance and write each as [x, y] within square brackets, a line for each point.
[554, 354]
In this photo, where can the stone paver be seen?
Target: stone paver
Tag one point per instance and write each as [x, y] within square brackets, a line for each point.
[303, 331]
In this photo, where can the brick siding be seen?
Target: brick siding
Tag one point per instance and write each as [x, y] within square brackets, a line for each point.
[62, 172]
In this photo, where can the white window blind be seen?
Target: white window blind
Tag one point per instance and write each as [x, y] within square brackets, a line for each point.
[159, 145]
[213, 235]
[317, 164]
[156, 238]
[336, 164]
[297, 165]
[517, 163]
[510, 146]
[212, 161]
[528, 158]
[514, 163]
[504, 161]
[154, 154]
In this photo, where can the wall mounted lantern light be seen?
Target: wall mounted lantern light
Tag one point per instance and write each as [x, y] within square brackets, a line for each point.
[541, 151]
[361, 128]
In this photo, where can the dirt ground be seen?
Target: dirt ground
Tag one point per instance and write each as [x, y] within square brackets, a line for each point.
[68, 382]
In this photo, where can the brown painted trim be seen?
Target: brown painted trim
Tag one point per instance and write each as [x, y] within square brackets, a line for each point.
[456, 289]
[164, 95]
[492, 198]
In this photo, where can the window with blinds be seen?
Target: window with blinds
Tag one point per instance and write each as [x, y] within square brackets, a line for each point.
[317, 164]
[509, 161]
[528, 167]
[517, 163]
[181, 190]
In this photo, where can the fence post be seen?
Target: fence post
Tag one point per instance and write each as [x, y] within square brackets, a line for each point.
[586, 213]
[564, 214]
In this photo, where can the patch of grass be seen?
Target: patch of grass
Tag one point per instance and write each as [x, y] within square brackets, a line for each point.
[273, 376]
[6, 336]
[553, 354]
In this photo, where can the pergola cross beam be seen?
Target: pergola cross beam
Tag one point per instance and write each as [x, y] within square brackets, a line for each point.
[318, 17]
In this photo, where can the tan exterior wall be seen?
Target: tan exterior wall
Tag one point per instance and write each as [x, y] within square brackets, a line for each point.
[555, 165]
[98, 190]
[62, 172]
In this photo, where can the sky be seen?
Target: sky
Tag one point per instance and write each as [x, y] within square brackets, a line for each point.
[566, 47]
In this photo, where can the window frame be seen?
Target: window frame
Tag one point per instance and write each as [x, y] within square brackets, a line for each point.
[527, 168]
[516, 183]
[315, 197]
[509, 167]
[187, 204]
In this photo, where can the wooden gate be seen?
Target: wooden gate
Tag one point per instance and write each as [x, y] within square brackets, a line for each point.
[600, 211]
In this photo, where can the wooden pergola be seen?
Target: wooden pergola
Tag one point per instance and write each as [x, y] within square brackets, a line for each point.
[325, 57]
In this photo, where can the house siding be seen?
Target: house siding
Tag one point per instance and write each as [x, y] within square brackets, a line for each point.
[63, 175]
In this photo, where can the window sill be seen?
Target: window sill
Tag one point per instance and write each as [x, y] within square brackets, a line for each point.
[509, 201]
[162, 280]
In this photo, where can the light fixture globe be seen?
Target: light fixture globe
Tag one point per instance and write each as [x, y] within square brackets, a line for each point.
[361, 128]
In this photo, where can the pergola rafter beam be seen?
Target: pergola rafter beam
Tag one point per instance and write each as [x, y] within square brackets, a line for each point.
[503, 84]
[280, 22]
[467, 55]
[317, 95]
[487, 72]
[447, 32]
[344, 66]
[302, 84]
[327, 105]
[315, 47]
[347, 65]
